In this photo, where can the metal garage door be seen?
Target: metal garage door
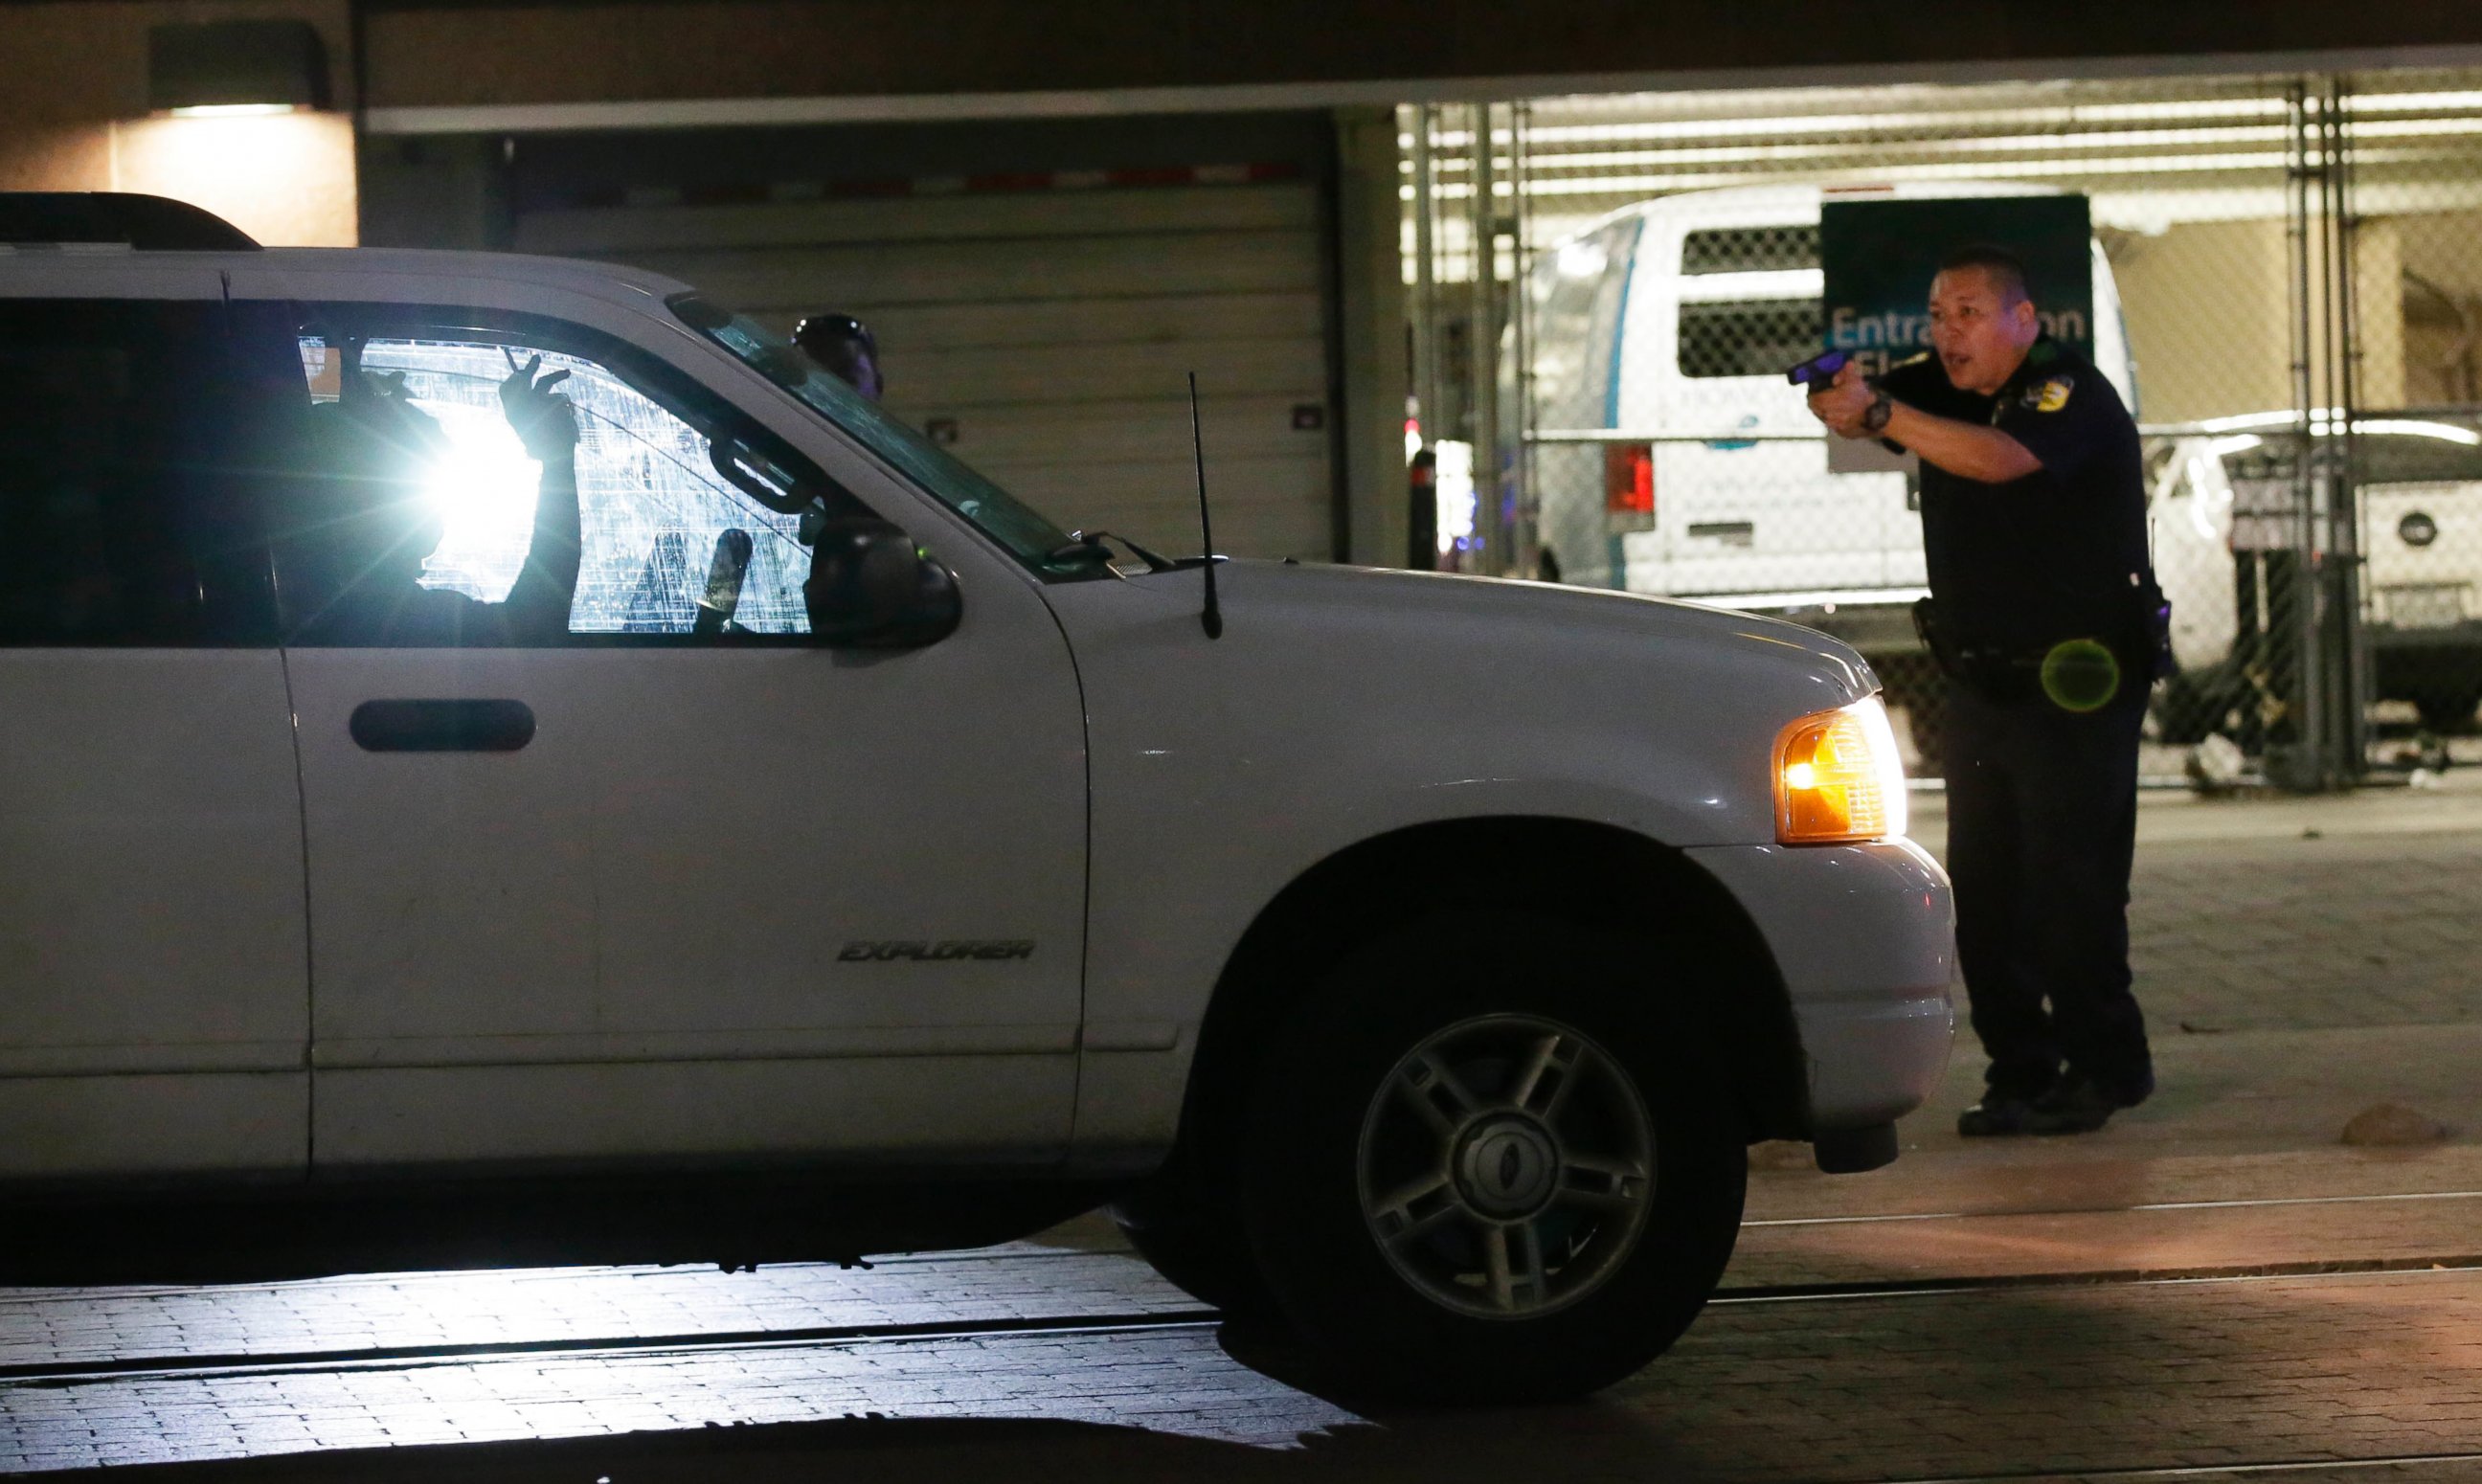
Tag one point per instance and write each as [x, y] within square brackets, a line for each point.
[1045, 322]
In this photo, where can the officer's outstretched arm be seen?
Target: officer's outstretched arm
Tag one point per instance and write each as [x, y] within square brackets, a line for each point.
[1967, 450]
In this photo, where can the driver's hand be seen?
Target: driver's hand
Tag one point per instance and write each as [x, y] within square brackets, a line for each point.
[544, 421]
[1842, 403]
[386, 410]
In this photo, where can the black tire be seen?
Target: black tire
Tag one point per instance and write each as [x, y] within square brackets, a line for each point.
[1194, 1240]
[1494, 999]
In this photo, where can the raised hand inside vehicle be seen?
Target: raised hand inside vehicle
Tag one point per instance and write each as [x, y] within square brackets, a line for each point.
[544, 421]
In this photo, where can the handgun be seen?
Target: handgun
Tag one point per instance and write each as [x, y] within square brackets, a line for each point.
[1818, 370]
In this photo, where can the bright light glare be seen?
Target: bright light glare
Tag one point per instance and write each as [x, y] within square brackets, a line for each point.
[286, 179]
[231, 111]
[1889, 763]
[651, 506]
[484, 489]
[2446, 433]
[1801, 775]
[2326, 421]
[2319, 415]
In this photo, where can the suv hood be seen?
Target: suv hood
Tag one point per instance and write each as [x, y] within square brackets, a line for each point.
[1400, 696]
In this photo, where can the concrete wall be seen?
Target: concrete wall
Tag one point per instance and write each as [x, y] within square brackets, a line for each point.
[2209, 307]
[2378, 276]
[446, 191]
[2206, 306]
[2443, 301]
[470, 54]
[74, 117]
[1371, 333]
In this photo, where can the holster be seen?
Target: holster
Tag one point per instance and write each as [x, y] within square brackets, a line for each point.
[2140, 644]
[1933, 635]
[1987, 673]
[2157, 643]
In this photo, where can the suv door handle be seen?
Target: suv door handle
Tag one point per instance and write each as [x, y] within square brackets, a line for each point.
[442, 726]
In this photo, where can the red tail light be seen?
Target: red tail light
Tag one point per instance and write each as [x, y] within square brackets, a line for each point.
[1629, 479]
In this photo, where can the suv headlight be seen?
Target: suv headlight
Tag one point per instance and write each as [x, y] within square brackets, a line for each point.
[1838, 778]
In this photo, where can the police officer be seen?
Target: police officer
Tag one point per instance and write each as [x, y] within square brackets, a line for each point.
[843, 347]
[2044, 617]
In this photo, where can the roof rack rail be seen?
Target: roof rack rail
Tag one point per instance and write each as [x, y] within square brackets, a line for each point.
[149, 222]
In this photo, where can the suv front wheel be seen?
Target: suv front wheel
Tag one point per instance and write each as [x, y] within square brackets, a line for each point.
[1491, 1171]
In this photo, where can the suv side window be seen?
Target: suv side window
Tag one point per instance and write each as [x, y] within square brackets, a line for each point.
[120, 521]
[431, 490]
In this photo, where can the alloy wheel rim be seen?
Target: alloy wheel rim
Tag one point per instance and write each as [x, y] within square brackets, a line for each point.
[1506, 1166]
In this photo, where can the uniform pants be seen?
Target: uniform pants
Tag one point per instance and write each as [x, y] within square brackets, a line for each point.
[2042, 821]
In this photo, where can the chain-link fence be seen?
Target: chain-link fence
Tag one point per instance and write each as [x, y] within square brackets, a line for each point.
[2287, 288]
[2414, 460]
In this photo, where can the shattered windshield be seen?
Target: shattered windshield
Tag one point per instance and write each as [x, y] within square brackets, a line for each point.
[1029, 536]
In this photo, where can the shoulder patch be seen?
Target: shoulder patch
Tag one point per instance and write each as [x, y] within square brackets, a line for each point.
[2050, 396]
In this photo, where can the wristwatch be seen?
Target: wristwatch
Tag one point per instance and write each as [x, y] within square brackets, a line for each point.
[1874, 418]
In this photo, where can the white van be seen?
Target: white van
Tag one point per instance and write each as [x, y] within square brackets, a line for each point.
[1673, 322]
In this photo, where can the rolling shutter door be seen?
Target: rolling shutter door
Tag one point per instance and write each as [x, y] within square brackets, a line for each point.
[1045, 327]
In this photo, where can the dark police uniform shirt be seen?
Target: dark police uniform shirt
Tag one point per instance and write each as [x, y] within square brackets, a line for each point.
[2016, 567]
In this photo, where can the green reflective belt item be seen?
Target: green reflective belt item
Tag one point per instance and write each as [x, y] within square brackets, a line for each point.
[2079, 673]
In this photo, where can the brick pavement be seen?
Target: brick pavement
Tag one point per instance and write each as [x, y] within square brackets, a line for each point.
[2356, 910]
[571, 1305]
[1950, 1386]
[1178, 1382]
[2114, 1170]
[2184, 1240]
[2309, 933]
[2160, 1375]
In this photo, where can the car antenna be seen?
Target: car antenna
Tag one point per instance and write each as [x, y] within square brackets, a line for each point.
[1212, 619]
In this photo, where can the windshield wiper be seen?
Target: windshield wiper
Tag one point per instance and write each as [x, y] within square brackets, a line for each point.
[1083, 544]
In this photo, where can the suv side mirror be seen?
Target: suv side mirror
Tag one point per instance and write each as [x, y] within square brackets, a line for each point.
[870, 588]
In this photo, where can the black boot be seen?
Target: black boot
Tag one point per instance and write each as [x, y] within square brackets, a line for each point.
[2005, 1109]
[1996, 1116]
[2081, 1103]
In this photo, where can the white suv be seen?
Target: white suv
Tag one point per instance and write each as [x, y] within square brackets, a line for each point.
[852, 860]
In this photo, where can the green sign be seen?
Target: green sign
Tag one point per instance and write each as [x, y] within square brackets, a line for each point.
[1879, 255]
